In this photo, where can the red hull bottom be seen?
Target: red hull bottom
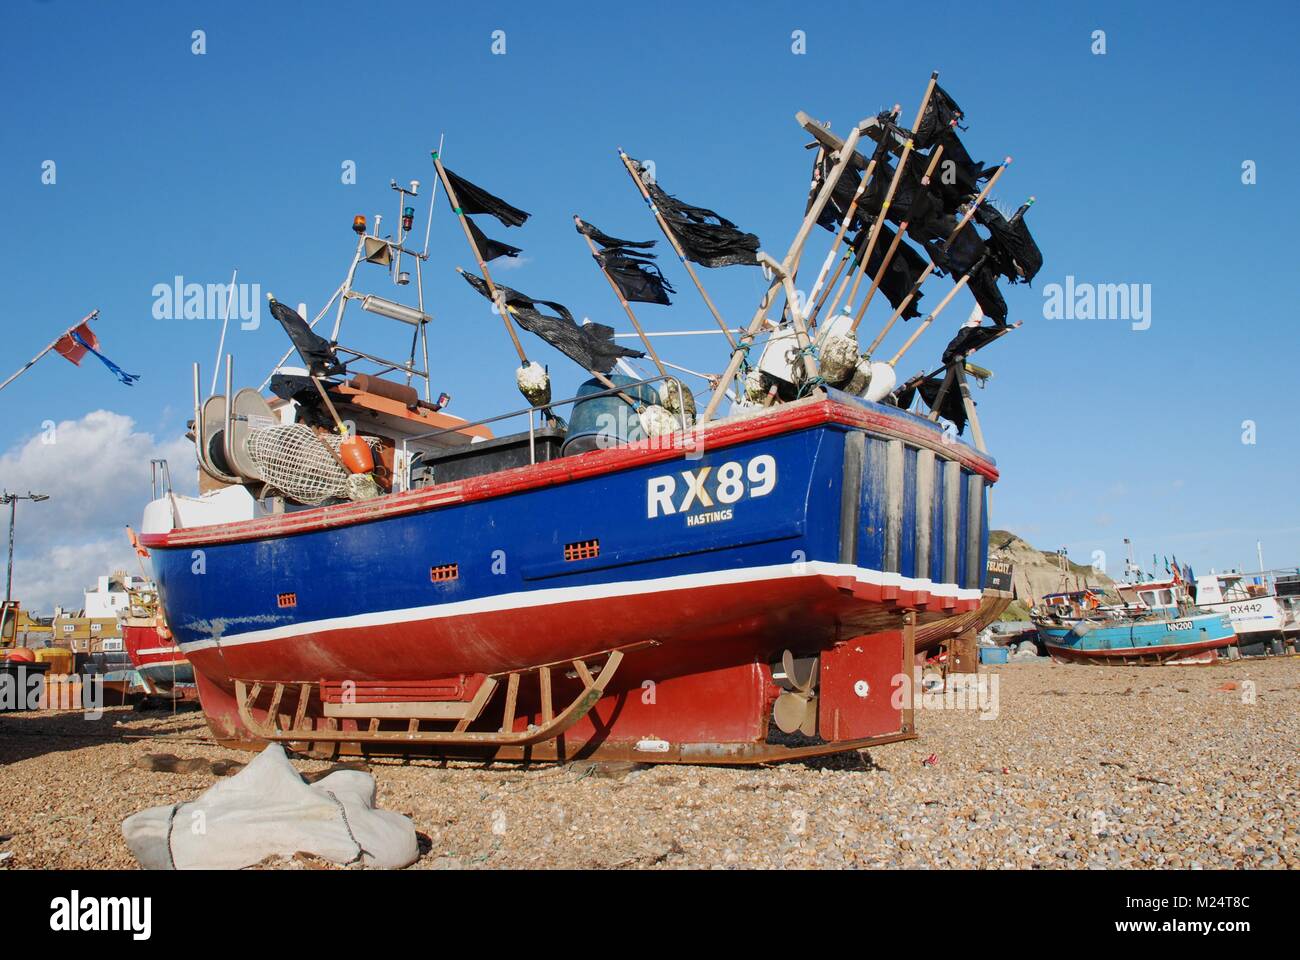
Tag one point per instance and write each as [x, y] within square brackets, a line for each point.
[695, 684]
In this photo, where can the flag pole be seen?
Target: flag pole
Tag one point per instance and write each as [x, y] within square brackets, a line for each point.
[627, 308]
[478, 256]
[929, 319]
[908, 146]
[965, 278]
[839, 237]
[663, 225]
[893, 248]
[778, 281]
[52, 344]
[929, 267]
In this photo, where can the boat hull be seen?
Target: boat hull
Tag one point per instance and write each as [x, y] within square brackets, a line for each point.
[1195, 639]
[156, 656]
[814, 529]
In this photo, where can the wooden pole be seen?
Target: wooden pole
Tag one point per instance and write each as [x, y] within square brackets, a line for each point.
[663, 225]
[839, 236]
[929, 267]
[627, 307]
[889, 254]
[908, 146]
[50, 346]
[478, 256]
[965, 278]
[866, 179]
[780, 281]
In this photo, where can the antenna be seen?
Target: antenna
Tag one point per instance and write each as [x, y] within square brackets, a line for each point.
[225, 322]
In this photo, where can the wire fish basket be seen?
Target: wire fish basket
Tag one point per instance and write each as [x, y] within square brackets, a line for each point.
[304, 465]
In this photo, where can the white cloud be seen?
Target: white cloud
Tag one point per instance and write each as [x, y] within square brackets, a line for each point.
[96, 473]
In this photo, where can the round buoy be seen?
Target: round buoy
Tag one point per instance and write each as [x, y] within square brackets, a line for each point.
[356, 456]
[657, 421]
[675, 398]
[882, 381]
[534, 383]
[20, 655]
[839, 357]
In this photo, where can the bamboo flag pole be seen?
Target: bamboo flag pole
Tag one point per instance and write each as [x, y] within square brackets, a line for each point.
[908, 146]
[929, 319]
[839, 237]
[627, 307]
[52, 344]
[482, 264]
[929, 267]
[779, 282]
[672, 239]
[965, 278]
[894, 244]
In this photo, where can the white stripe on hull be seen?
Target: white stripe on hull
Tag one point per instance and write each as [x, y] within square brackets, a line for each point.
[600, 591]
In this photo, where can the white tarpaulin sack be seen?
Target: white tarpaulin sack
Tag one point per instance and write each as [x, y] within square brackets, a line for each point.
[267, 809]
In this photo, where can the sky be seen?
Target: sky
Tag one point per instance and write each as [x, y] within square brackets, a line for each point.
[1161, 162]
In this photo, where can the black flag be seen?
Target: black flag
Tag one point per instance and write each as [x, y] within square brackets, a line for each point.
[941, 114]
[590, 345]
[1012, 250]
[488, 248]
[632, 269]
[474, 199]
[904, 269]
[317, 352]
[968, 340]
[953, 407]
[983, 284]
[706, 238]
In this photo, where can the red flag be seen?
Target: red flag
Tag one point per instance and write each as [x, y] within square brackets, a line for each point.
[70, 349]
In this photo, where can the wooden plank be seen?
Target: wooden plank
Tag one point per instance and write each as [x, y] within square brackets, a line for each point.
[974, 529]
[871, 127]
[893, 505]
[399, 709]
[476, 705]
[924, 511]
[512, 698]
[951, 516]
[300, 714]
[583, 673]
[548, 708]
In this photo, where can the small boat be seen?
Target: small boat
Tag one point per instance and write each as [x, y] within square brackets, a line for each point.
[150, 645]
[1156, 623]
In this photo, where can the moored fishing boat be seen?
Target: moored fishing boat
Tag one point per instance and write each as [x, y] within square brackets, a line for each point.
[1076, 627]
[364, 571]
[150, 645]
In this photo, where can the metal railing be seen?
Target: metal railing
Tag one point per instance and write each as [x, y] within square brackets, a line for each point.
[532, 426]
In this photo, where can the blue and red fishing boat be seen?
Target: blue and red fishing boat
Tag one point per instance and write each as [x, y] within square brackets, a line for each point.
[363, 571]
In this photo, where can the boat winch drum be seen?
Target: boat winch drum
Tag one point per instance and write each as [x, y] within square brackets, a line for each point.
[609, 421]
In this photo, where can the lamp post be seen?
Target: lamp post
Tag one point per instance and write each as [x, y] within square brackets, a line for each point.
[12, 499]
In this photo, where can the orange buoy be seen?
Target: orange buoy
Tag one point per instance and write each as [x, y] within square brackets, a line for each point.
[356, 456]
[22, 654]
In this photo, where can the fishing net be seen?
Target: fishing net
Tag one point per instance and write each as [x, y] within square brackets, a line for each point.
[303, 465]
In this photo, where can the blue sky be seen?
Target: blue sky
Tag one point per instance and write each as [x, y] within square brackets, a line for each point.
[171, 163]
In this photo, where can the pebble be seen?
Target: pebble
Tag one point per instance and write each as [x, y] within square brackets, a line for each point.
[1076, 771]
